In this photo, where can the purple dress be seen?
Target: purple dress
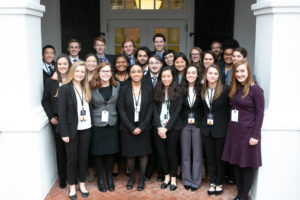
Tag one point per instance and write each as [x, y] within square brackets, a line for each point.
[250, 118]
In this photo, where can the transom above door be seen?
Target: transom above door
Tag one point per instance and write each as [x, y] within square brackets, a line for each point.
[142, 31]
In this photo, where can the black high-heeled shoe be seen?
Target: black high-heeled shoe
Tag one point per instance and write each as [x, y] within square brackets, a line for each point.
[130, 182]
[218, 192]
[187, 187]
[173, 187]
[110, 183]
[164, 185]
[211, 192]
[141, 184]
[72, 197]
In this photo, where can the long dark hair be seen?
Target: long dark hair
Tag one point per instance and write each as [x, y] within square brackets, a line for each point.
[185, 83]
[56, 68]
[173, 90]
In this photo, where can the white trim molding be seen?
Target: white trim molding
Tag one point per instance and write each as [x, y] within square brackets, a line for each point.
[278, 7]
[22, 8]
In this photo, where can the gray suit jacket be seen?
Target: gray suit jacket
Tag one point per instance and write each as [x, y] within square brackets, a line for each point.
[99, 104]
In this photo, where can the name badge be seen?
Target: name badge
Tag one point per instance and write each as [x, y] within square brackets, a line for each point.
[191, 118]
[166, 119]
[83, 115]
[136, 116]
[210, 119]
[234, 115]
[104, 116]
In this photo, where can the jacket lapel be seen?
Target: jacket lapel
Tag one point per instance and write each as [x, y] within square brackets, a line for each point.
[73, 94]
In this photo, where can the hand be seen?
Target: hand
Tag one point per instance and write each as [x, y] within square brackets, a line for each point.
[161, 133]
[66, 139]
[164, 130]
[136, 131]
[253, 141]
[53, 121]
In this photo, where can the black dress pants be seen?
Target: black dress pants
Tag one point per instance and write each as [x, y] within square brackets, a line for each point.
[167, 151]
[77, 155]
[61, 157]
[215, 166]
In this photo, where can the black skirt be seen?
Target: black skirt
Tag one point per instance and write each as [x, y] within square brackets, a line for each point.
[104, 140]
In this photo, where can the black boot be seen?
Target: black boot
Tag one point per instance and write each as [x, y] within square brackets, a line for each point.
[141, 184]
[101, 185]
[130, 182]
[110, 183]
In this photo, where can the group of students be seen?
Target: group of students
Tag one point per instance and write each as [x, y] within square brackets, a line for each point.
[148, 104]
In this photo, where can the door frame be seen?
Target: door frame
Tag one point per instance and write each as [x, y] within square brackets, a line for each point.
[186, 14]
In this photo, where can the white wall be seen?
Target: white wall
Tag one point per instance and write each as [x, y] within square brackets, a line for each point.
[51, 27]
[244, 27]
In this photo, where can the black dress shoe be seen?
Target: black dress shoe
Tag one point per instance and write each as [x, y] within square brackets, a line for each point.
[193, 189]
[84, 194]
[73, 197]
[173, 187]
[160, 178]
[141, 185]
[130, 182]
[101, 185]
[110, 184]
[187, 187]
[218, 192]
[164, 185]
[62, 183]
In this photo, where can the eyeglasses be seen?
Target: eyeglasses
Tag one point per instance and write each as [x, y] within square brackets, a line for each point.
[154, 63]
[169, 57]
[195, 54]
[216, 48]
[105, 71]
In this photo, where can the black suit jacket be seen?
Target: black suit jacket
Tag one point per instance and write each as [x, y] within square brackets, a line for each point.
[110, 58]
[147, 79]
[175, 121]
[221, 112]
[196, 109]
[49, 101]
[67, 111]
[126, 108]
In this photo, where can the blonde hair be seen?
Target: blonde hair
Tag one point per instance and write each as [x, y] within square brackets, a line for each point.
[84, 83]
[235, 85]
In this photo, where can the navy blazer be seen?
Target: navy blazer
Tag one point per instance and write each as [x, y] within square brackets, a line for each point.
[67, 111]
[221, 112]
[126, 108]
[175, 121]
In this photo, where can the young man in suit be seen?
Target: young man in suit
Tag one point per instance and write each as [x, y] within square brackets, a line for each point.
[142, 56]
[48, 61]
[100, 47]
[159, 43]
[128, 48]
[74, 47]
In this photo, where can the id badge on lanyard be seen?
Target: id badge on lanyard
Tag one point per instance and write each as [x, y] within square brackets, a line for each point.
[191, 118]
[235, 115]
[104, 116]
[210, 119]
[83, 115]
[166, 119]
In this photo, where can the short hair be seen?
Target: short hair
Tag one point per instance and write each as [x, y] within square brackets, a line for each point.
[47, 47]
[101, 39]
[242, 50]
[159, 35]
[157, 57]
[166, 52]
[230, 44]
[73, 40]
[128, 40]
[146, 49]
[216, 41]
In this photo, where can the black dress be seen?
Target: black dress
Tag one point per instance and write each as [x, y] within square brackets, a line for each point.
[104, 140]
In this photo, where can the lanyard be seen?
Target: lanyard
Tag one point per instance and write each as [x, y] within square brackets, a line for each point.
[136, 101]
[81, 97]
[191, 103]
[210, 98]
[48, 68]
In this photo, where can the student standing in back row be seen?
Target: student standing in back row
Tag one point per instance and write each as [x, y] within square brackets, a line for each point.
[74, 125]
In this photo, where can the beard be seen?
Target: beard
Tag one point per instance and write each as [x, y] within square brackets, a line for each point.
[143, 65]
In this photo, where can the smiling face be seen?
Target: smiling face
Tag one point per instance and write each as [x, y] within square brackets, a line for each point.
[191, 74]
[74, 49]
[154, 65]
[180, 64]
[169, 59]
[142, 57]
[216, 48]
[237, 56]
[100, 47]
[63, 65]
[195, 56]
[212, 75]
[121, 64]
[48, 55]
[91, 63]
[228, 56]
[208, 60]
[166, 78]
[136, 73]
[159, 44]
[79, 73]
[105, 73]
[128, 48]
[241, 73]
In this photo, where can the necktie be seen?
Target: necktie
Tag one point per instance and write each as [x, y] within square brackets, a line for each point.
[75, 60]
[49, 70]
[154, 79]
[100, 60]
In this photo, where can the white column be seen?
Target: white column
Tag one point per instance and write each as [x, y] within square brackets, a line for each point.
[278, 71]
[27, 152]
